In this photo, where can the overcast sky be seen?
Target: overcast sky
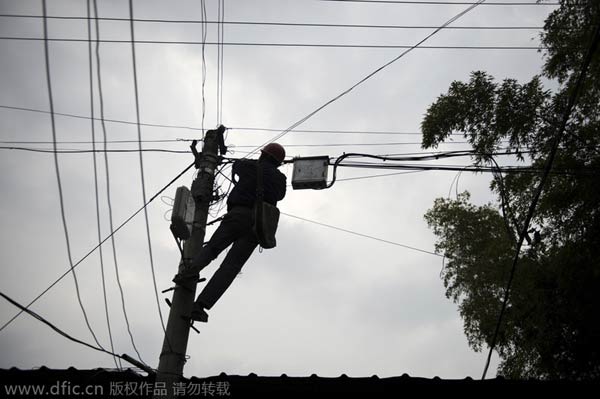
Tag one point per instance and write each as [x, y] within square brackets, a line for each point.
[324, 301]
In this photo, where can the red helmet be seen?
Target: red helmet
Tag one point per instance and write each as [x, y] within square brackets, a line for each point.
[275, 150]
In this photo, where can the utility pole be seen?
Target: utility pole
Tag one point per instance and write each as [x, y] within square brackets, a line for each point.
[172, 357]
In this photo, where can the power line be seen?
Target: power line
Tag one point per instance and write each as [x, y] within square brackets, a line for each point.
[253, 129]
[292, 24]
[361, 235]
[139, 132]
[323, 131]
[203, 42]
[363, 165]
[220, 58]
[547, 170]
[108, 191]
[376, 71]
[446, 3]
[78, 151]
[57, 171]
[351, 144]
[105, 120]
[590, 172]
[58, 330]
[376, 176]
[232, 147]
[92, 142]
[350, 231]
[380, 175]
[98, 246]
[99, 234]
[274, 44]
[139, 365]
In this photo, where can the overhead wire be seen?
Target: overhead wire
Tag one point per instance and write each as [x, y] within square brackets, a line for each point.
[203, 43]
[547, 170]
[370, 75]
[380, 175]
[364, 79]
[99, 233]
[57, 172]
[105, 120]
[113, 232]
[139, 132]
[222, 77]
[108, 187]
[351, 231]
[81, 150]
[138, 366]
[262, 129]
[58, 330]
[91, 142]
[220, 59]
[470, 168]
[361, 234]
[445, 3]
[270, 23]
[280, 44]
[218, 80]
[588, 172]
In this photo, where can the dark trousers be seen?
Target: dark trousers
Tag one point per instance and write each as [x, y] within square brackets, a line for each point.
[236, 229]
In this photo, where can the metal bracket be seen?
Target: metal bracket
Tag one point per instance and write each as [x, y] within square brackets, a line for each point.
[184, 317]
[189, 320]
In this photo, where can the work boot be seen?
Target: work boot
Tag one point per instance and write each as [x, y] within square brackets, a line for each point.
[198, 313]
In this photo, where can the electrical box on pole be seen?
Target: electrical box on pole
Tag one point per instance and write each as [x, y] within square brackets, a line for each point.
[310, 172]
[182, 217]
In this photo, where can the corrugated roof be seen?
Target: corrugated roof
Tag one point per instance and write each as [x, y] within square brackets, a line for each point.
[129, 383]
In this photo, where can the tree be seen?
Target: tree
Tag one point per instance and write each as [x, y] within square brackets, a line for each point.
[551, 328]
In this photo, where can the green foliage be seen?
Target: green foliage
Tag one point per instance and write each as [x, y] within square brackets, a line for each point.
[551, 328]
[486, 113]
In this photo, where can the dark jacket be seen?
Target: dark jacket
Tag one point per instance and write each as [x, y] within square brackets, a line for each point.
[244, 191]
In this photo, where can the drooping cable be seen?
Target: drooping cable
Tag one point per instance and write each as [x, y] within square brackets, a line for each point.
[554, 149]
[380, 175]
[108, 191]
[57, 170]
[219, 48]
[584, 172]
[222, 59]
[193, 128]
[370, 75]
[58, 330]
[98, 246]
[362, 235]
[203, 43]
[139, 132]
[99, 233]
[353, 232]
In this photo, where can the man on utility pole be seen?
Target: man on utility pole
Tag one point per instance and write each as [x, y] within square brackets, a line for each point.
[172, 357]
[259, 181]
[251, 220]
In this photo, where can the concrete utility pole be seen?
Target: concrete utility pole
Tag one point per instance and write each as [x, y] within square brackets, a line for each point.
[172, 357]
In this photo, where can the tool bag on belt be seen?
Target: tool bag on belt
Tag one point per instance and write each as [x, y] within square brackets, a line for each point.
[266, 216]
